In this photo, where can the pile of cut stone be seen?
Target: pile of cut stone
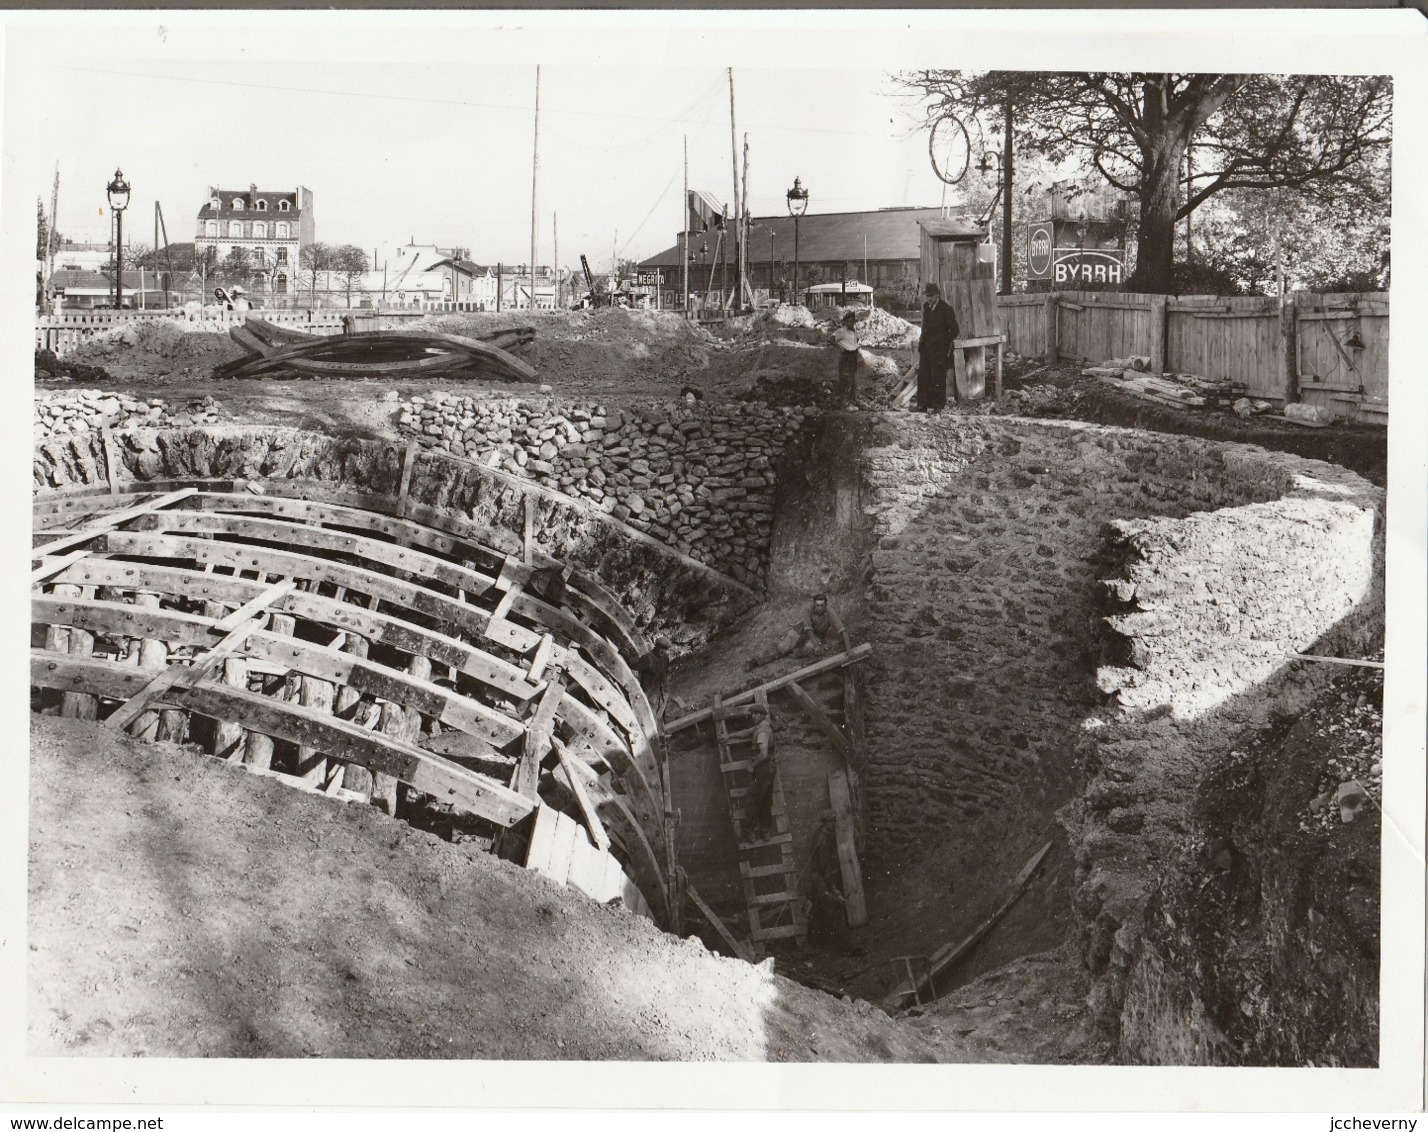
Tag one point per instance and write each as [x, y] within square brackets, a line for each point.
[698, 477]
[62, 413]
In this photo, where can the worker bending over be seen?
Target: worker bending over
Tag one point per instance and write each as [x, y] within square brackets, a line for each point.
[816, 635]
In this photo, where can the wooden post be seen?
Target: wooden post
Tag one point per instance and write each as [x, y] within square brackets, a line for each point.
[1051, 328]
[80, 705]
[528, 539]
[228, 737]
[1159, 306]
[57, 640]
[1289, 331]
[346, 706]
[258, 752]
[317, 695]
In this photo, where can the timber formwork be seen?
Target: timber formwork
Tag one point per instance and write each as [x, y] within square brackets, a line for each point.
[365, 647]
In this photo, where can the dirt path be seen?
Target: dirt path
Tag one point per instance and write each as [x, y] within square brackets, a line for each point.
[180, 907]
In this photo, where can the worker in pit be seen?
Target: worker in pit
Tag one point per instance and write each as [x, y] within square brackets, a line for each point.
[935, 350]
[820, 630]
[653, 671]
[846, 339]
[758, 803]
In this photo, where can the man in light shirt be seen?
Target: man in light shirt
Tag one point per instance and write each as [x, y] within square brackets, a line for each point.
[846, 339]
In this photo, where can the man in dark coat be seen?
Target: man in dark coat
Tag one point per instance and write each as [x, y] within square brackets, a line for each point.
[934, 351]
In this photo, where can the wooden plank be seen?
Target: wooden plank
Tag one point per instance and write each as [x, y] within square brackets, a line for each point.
[981, 340]
[108, 523]
[112, 463]
[831, 731]
[587, 868]
[265, 599]
[721, 929]
[562, 848]
[50, 567]
[538, 853]
[845, 830]
[587, 808]
[404, 487]
[853, 655]
[1340, 660]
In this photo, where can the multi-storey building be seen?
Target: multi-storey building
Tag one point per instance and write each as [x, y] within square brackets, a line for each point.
[273, 226]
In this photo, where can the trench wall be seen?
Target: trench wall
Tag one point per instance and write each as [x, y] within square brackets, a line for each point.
[697, 476]
[658, 591]
[1202, 613]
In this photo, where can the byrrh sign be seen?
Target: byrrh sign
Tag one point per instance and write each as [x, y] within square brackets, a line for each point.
[1070, 254]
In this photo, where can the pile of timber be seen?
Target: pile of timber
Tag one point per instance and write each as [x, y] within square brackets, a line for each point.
[275, 351]
[1181, 390]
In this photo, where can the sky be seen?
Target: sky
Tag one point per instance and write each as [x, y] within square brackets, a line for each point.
[423, 147]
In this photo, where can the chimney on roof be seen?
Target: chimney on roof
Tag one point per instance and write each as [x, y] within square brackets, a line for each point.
[253, 190]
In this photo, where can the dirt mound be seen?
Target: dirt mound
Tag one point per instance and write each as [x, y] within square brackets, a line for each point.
[145, 351]
[876, 327]
[785, 315]
[179, 907]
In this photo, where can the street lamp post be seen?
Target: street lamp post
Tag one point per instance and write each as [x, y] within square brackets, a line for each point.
[118, 190]
[797, 206]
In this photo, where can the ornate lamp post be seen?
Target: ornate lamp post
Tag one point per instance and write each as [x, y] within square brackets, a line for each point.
[118, 190]
[797, 206]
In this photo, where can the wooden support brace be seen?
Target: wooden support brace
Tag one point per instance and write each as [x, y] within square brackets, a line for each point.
[180, 677]
[820, 719]
[739, 949]
[49, 568]
[528, 534]
[540, 659]
[112, 463]
[265, 599]
[598, 835]
[853, 655]
[408, 464]
[108, 523]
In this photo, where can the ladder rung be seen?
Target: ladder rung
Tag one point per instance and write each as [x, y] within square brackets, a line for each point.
[772, 898]
[748, 870]
[777, 839]
[737, 764]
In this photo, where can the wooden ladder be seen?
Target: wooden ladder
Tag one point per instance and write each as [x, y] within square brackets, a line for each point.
[766, 867]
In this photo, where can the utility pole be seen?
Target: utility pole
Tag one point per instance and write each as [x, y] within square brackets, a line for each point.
[1006, 265]
[684, 233]
[745, 288]
[734, 163]
[555, 253]
[535, 169]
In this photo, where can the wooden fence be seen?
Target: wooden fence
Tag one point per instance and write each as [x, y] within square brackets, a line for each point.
[65, 332]
[1329, 350]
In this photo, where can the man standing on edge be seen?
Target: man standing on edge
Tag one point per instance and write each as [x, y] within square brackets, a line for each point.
[934, 351]
[846, 339]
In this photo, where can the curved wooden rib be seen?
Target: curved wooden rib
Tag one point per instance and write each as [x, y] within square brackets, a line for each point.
[431, 774]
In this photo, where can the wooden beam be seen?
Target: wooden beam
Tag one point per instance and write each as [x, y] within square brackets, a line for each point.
[112, 463]
[408, 464]
[845, 831]
[248, 609]
[1339, 660]
[108, 523]
[831, 730]
[593, 823]
[853, 655]
[431, 774]
[50, 567]
[740, 950]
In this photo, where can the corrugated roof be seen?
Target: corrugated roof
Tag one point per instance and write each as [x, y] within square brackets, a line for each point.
[890, 234]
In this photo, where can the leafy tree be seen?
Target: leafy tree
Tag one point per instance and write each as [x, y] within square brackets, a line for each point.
[42, 232]
[1318, 135]
[350, 263]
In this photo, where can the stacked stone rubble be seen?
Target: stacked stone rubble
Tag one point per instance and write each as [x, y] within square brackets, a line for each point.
[80, 410]
[698, 477]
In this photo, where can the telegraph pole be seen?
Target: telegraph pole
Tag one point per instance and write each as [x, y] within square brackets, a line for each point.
[1006, 265]
[734, 163]
[684, 232]
[535, 168]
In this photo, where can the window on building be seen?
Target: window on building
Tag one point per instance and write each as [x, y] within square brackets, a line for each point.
[280, 284]
[282, 255]
[283, 206]
[210, 228]
[235, 229]
[262, 206]
[260, 230]
[215, 204]
[237, 204]
[282, 230]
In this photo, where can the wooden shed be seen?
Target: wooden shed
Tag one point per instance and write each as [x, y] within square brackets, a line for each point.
[957, 257]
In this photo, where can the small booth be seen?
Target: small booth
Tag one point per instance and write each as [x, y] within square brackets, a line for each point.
[957, 257]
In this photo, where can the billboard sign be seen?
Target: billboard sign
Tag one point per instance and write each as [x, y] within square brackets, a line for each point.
[1068, 255]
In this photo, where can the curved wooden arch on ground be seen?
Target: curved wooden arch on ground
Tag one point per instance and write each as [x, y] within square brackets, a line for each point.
[576, 704]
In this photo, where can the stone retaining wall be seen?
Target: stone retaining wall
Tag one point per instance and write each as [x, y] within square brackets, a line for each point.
[658, 591]
[694, 475]
[67, 411]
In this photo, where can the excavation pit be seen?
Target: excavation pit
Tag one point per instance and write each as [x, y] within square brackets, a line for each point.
[1068, 624]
